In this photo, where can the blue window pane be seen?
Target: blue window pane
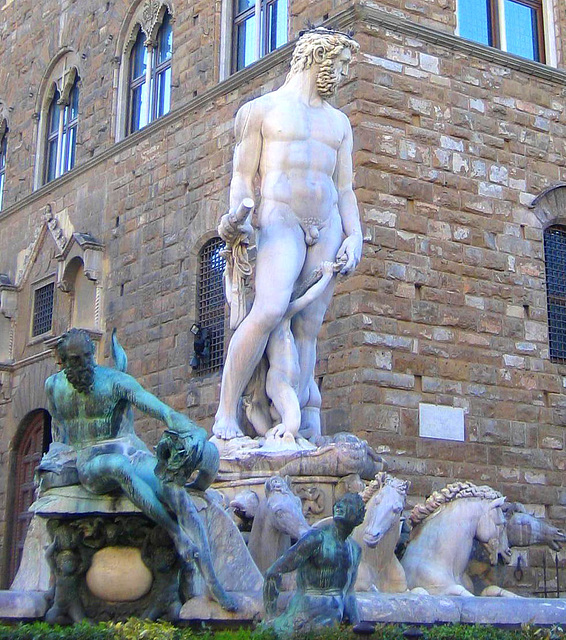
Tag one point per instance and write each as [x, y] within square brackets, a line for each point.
[164, 92]
[245, 43]
[165, 40]
[54, 114]
[139, 103]
[69, 149]
[473, 20]
[50, 173]
[74, 102]
[244, 5]
[138, 59]
[277, 24]
[521, 30]
[1, 188]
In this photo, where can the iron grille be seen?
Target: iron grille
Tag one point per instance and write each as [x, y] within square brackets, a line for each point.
[43, 309]
[555, 264]
[211, 303]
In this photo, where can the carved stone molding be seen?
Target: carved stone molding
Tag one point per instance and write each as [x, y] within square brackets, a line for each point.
[54, 227]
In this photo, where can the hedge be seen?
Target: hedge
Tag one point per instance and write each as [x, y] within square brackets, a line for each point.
[134, 629]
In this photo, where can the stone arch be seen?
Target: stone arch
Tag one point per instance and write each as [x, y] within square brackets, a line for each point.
[549, 206]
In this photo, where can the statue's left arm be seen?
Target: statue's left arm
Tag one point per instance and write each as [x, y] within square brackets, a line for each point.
[351, 250]
[128, 388]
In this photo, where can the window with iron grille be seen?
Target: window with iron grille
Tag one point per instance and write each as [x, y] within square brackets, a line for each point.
[43, 309]
[211, 304]
[555, 266]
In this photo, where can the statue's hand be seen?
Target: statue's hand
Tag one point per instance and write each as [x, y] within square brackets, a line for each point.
[230, 230]
[350, 253]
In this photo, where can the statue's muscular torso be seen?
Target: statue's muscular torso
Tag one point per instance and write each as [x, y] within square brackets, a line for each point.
[299, 151]
[87, 417]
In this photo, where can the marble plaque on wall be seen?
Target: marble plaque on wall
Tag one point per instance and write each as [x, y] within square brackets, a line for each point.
[444, 423]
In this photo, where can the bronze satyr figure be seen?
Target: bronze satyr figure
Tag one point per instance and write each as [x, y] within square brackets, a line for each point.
[326, 560]
[91, 410]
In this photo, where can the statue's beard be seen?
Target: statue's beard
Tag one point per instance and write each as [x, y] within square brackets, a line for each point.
[326, 79]
[81, 377]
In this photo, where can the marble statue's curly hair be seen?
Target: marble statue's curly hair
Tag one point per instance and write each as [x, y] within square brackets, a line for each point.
[381, 479]
[453, 491]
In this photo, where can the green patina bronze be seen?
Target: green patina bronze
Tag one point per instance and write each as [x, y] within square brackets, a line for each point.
[91, 408]
[326, 560]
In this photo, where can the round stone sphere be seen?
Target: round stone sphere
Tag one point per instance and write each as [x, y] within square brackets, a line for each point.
[118, 574]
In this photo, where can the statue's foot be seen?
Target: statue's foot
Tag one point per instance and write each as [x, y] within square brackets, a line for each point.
[310, 422]
[224, 599]
[226, 428]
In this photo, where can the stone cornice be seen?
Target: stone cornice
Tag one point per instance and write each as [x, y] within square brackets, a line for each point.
[360, 13]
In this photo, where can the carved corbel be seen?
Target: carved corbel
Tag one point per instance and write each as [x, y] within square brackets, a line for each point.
[8, 297]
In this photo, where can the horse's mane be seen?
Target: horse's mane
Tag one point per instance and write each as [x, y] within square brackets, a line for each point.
[381, 479]
[451, 492]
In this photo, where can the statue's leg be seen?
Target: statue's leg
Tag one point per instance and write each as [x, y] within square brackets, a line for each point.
[284, 397]
[280, 256]
[307, 323]
[189, 520]
[107, 469]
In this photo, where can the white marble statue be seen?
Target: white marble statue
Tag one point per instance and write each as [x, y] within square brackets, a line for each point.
[298, 148]
[444, 528]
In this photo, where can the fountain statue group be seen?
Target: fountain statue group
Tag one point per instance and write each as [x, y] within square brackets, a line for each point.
[106, 497]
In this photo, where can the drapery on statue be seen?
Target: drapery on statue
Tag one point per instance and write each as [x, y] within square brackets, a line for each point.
[91, 412]
[300, 148]
[326, 560]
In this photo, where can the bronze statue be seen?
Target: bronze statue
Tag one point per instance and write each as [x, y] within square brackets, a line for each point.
[326, 560]
[91, 410]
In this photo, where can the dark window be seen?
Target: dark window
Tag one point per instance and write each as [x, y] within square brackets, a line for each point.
[150, 87]
[3, 145]
[33, 445]
[62, 120]
[555, 266]
[257, 35]
[211, 303]
[512, 25]
[43, 309]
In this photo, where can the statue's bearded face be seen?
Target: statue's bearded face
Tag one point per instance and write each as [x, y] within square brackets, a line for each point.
[332, 71]
[78, 364]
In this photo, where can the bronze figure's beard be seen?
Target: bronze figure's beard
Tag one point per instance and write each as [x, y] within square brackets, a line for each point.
[326, 79]
[81, 377]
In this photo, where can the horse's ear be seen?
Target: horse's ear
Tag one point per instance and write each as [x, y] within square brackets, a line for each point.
[497, 502]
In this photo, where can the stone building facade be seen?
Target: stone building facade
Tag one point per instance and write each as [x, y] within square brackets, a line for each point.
[460, 167]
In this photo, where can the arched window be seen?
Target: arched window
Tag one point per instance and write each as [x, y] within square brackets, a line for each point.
[62, 120]
[150, 76]
[33, 444]
[211, 305]
[3, 147]
[555, 266]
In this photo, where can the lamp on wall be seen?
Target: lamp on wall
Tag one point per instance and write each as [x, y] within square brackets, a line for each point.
[201, 353]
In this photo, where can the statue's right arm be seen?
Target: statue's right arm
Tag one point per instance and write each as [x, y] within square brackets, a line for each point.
[247, 152]
[128, 388]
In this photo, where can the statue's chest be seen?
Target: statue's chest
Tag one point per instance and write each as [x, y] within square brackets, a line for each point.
[333, 553]
[294, 123]
[72, 404]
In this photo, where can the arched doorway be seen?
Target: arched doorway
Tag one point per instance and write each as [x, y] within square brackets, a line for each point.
[33, 443]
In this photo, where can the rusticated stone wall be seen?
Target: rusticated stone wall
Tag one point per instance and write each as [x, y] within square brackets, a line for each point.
[448, 307]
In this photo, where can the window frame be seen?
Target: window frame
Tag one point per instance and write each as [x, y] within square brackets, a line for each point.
[209, 320]
[3, 154]
[229, 42]
[150, 27]
[64, 81]
[35, 288]
[496, 26]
